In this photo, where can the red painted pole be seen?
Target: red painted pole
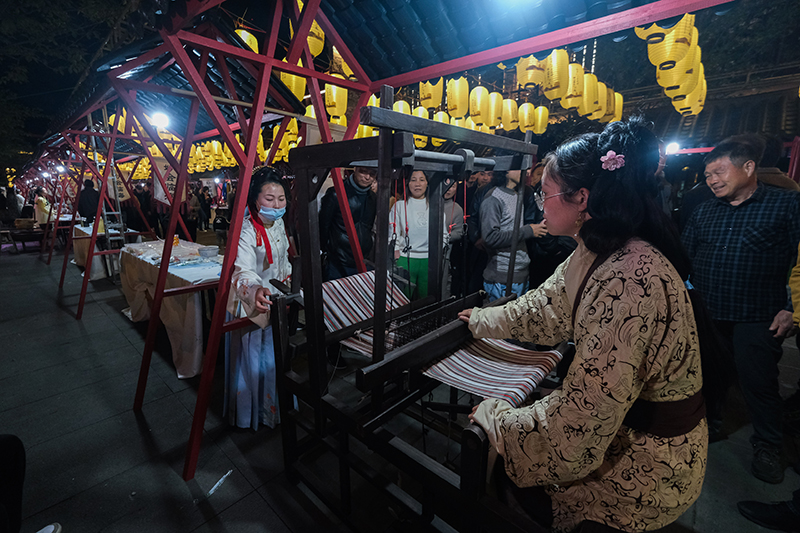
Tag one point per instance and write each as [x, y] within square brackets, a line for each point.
[133, 197]
[218, 318]
[163, 269]
[138, 113]
[338, 182]
[87, 273]
[624, 20]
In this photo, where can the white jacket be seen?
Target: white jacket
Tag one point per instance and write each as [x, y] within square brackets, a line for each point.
[252, 270]
[418, 214]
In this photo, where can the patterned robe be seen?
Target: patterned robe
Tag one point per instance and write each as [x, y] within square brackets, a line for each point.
[635, 337]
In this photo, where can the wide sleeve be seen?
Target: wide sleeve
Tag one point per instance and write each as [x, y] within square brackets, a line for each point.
[542, 315]
[564, 437]
[246, 278]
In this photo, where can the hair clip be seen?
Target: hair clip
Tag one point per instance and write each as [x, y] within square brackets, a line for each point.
[612, 161]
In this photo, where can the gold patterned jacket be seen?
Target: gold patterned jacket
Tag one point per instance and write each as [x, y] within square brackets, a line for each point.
[635, 337]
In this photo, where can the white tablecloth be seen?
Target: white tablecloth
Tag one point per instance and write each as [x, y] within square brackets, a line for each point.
[180, 314]
[81, 251]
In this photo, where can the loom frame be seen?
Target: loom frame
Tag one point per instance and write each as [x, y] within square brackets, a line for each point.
[391, 379]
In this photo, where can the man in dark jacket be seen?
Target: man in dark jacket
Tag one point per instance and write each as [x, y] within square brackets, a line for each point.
[87, 205]
[333, 235]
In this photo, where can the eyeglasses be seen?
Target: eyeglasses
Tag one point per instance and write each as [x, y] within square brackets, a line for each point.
[540, 198]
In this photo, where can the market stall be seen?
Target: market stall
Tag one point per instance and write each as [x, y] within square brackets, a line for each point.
[181, 314]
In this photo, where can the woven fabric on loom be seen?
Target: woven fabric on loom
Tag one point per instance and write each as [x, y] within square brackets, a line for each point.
[349, 300]
[493, 368]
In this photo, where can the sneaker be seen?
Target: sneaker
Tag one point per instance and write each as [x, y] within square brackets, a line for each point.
[55, 527]
[778, 516]
[767, 464]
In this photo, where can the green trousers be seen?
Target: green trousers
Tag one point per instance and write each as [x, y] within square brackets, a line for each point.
[418, 274]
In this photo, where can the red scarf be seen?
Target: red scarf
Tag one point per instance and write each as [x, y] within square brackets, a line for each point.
[261, 235]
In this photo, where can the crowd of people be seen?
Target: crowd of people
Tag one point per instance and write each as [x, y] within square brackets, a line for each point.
[662, 321]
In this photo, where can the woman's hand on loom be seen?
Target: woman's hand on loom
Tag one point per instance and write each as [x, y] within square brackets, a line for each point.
[464, 316]
[262, 299]
[472, 414]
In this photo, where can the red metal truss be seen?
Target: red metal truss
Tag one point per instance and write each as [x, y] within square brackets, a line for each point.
[624, 20]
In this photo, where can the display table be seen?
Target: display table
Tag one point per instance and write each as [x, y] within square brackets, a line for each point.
[80, 248]
[181, 314]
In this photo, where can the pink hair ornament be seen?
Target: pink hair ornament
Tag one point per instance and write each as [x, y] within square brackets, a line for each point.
[612, 160]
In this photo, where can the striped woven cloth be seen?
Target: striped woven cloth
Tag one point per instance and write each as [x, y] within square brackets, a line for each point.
[349, 300]
[493, 368]
[489, 368]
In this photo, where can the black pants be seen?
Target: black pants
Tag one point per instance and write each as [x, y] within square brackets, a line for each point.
[756, 354]
[12, 475]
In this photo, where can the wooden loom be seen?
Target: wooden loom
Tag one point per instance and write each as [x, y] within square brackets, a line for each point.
[391, 382]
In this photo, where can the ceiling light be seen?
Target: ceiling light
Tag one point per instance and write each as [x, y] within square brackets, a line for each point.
[159, 120]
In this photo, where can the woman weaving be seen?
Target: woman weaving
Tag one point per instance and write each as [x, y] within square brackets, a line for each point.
[250, 382]
[623, 442]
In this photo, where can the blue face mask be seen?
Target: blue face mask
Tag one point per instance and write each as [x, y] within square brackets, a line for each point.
[271, 214]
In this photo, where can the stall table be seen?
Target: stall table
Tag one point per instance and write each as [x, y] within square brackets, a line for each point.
[81, 250]
[181, 314]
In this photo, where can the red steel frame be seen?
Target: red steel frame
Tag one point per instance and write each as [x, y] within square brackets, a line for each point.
[261, 66]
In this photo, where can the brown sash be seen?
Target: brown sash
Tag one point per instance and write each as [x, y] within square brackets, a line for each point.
[662, 419]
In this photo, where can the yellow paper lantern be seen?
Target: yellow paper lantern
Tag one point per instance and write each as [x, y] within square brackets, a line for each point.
[401, 106]
[444, 118]
[316, 37]
[611, 105]
[420, 141]
[495, 116]
[362, 132]
[556, 75]
[430, 94]
[296, 84]
[485, 129]
[470, 124]
[530, 72]
[589, 103]
[541, 116]
[216, 146]
[310, 111]
[510, 115]
[374, 101]
[292, 130]
[675, 45]
[689, 84]
[527, 117]
[458, 97]
[249, 39]
[695, 99]
[335, 99]
[479, 105]
[673, 77]
[574, 95]
[602, 101]
[652, 34]
[618, 101]
[456, 121]
[341, 121]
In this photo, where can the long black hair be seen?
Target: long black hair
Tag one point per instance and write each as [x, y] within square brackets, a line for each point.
[261, 177]
[622, 202]
[622, 205]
